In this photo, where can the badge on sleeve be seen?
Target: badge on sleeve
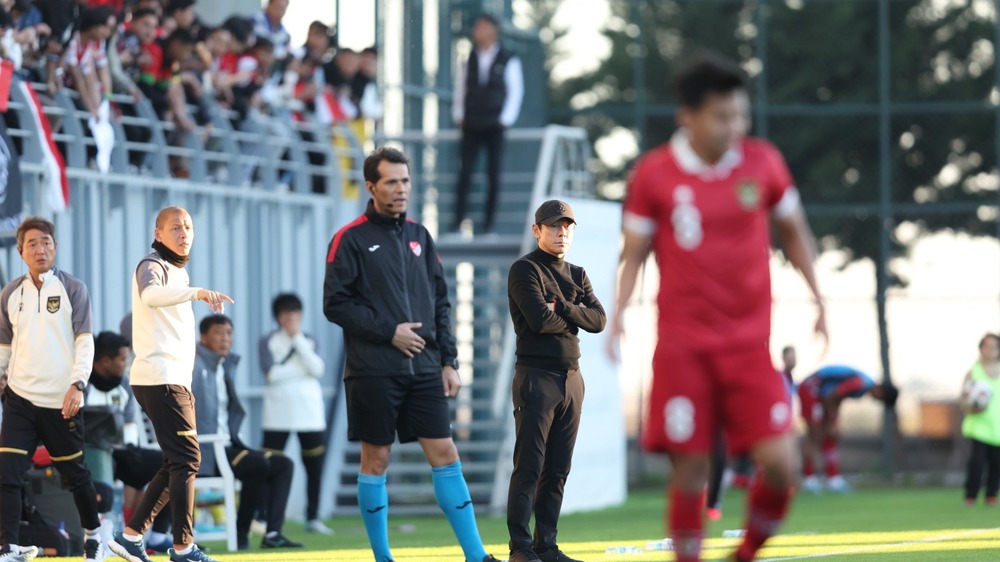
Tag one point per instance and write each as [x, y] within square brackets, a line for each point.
[416, 249]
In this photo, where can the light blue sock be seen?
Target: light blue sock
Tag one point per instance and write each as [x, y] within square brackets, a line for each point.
[453, 497]
[373, 501]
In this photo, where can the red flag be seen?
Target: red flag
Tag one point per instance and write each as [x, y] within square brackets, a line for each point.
[57, 184]
[6, 74]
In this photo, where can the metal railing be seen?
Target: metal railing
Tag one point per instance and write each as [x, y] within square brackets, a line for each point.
[260, 229]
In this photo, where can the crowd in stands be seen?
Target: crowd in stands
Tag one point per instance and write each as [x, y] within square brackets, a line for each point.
[161, 51]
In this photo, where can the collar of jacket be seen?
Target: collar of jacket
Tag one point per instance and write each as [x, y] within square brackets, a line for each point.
[383, 219]
[213, 359]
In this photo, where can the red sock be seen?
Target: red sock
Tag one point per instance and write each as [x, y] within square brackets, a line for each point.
[127, 514]
[766, 511]
[808, 467]
[830, 457]
[686, 525]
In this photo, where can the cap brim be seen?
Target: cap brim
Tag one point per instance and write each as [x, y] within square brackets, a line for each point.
[552, 221]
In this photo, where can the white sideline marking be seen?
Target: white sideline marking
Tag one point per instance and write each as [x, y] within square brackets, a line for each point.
[887, 545]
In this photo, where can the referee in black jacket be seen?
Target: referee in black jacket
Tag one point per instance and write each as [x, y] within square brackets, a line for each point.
[550, 301]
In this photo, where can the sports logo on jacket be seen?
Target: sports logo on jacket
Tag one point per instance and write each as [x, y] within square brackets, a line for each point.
[52, 305]
[416, 249]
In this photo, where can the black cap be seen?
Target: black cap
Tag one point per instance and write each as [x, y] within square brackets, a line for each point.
[552, 211]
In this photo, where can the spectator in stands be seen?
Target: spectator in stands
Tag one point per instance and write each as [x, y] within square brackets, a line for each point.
[982, 426]
[219, 411]
[267, 23]
[488, 92]
[160, 77]
[293, 399]
[86, 58]
[180, 15]
[133, 465]
[340, 73]
[252, 73]
[212, 52]
[364, 87]
[133, 51]
[62, 18]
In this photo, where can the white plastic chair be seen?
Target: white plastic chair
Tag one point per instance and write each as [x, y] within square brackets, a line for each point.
[225, 482]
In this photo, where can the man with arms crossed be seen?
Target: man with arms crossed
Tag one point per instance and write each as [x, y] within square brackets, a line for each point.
[705, 203]
[163, 337]
[385, 287]
[46, 351]
[550, 301]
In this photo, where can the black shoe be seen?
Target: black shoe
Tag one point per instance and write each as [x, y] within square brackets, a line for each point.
[554, 555]
[92, 550]
[490, 558]
[280, 541]
[523, 555]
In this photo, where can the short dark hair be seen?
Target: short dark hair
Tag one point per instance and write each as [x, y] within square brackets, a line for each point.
[373, 50]
[144, 12]
[178, 5]
[239, 27]
[387, 154]
[285, 302]
[318, 26]
[108, 344]
[705, 74]
[182, 36]
[95, 17]
[989, 335]
[263, 43]
[34, 223]
[213, 320]
[490, 19]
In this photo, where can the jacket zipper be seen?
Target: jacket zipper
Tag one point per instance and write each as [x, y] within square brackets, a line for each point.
[406, 285]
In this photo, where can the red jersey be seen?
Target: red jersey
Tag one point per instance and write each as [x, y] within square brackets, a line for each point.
[710, 230]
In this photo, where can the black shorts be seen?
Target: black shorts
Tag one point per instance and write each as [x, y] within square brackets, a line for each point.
[414, 406]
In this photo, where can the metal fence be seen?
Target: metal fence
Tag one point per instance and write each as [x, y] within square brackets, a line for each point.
[259, 227]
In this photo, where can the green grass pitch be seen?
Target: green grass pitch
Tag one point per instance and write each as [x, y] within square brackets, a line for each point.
[890, 524]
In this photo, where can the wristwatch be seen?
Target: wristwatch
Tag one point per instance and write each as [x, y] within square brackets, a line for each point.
[80, 385]
[453, 364]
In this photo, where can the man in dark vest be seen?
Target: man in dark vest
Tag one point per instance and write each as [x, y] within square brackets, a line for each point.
[489, 88]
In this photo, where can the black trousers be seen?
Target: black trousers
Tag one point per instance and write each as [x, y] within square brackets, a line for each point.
[313, 446]
[135, 467]
[170, 408]
[982, 456]
[474, 139]
[261, 472]
[23, 426]
[547, 407]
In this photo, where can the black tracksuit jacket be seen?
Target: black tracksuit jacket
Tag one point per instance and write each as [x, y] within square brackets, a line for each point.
[381, 272]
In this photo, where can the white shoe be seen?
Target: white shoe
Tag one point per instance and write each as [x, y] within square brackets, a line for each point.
[811, 484]
[317, 526]
[12, 556]
[29, 552]
[838, 485]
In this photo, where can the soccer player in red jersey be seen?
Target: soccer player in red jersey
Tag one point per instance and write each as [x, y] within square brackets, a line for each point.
[705, 203]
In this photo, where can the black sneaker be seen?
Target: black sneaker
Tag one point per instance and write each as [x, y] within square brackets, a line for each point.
[92, 551]
[129, 550]
[279, 541]
[491, 558]
[554, 555]
[523, 555]
[196, 555]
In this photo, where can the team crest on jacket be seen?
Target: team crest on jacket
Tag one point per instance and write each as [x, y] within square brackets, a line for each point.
[749, 194]
[52, 305]
[416, 249]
